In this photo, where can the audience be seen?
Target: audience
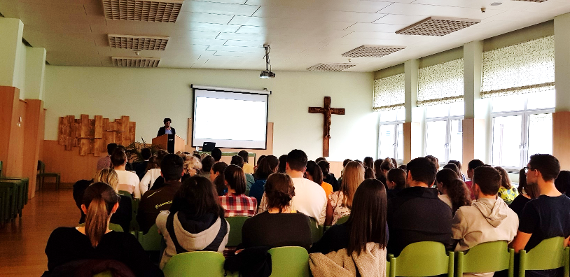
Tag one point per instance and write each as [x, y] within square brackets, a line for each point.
[368, 162]
[340, 202]
[152, 175]
[562, 182]
[140, 167]
[470, 167]
[247, 168]
[458, 164]
[395, 181]
[416, 213]
[192, 166]
[328, 177]
[526, 193]
[216, 154]
[235, 202]
[453, 191]
[434, 160]
[156, 200]
[315, 174]
[128, 181]
[310, 198]
[217, 177]
[194, 222]
[76, 251]
[105, 162]
[488, 218]
[507, 192]
[238, 160]
[280, 224]
[207, 163]
[454, 168]
[364, 234]
[282, 163]
[383, 169]
[265, 167]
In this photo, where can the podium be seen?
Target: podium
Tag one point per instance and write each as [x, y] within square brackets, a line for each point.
[171, 143]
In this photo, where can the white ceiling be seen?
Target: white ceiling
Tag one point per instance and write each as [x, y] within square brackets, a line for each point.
[230, 34]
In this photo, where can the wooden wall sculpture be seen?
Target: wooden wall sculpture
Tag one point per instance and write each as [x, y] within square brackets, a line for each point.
[93, 135]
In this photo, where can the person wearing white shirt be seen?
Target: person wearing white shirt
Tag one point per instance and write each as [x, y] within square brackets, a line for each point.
[128, 181]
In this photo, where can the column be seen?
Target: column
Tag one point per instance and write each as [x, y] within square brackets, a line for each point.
[561, 116]
[413, 139]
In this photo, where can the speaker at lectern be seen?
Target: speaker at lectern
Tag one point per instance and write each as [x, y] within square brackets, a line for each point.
[171, 143]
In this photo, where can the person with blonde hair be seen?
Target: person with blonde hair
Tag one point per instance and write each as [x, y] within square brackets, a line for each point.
[108, 176]
[340, 202]
[192, 166]
[73, 249]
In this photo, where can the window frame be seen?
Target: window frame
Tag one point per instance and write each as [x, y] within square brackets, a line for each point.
[395, 144]
[448, 119]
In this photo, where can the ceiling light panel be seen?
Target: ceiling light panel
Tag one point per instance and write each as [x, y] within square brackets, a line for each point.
[135, 62]
[138, 42]
[331, 67]
[437, 26]
[372, 51]
[142, 10]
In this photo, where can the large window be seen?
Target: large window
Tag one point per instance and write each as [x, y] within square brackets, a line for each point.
[443, 132]
[391, 135]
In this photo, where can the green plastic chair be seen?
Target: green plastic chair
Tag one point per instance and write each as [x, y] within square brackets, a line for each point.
[236, 223]
[42, 175]
[104, 274]
[548, 254]
[486, 257]
[134, 225]
[425, 258]
[112, 226]
[342, 220]
[152, 241]
[289, 261]
[316, 230]
[198, 263]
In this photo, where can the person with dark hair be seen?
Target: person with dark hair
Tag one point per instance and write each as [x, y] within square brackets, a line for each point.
[310, 198]
[383, 169]
[72, 249]
[265, 167]
[547, 216]
[140, 167]
[128, 181]
[434, 160]
[364, 233]
[238, 160]
[368, 162]
[416, 213]
[282, 163]
[395, 181]
[458, 164]
[488, 218]
[453, 191]
[470, 167]
[454, 168]
[315, 174]
[327, 175]
[105, 162]
[156, 200]
[194, 222]
[526, 193]
[166, 129]
[562, 182]
[340, 202]
[153, 175]
[247, 167]
[207, 163]
[507, 192]
[369, 173]
[319, 159]
[235, 202]
[216, 154]
[403, 167]
[280, 225]
[217, 177]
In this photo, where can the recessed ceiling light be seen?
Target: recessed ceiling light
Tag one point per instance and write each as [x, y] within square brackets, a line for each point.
[496, 3]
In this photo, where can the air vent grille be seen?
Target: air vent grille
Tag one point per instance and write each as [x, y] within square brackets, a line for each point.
[142, 10]
[437, 26]
[135, 62]
[372, 51]
[138, 42]
[331, 67]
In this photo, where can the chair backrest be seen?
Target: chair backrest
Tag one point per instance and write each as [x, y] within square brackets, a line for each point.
[548, 254]
[289, 261]
[236, 223]
[316, 230]
[1, 170]
[152, 240]
[41, 166]
[112, 226]
[425, 258]
[198, 263]
[486, 257]
[104, 274]
[342, 219]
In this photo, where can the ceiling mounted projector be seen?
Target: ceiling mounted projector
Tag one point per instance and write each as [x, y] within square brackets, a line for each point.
[266, 74]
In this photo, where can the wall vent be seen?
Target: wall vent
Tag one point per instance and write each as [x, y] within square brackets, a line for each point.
[142, 10]
[135, 62]
[331, 67]
[437, 26]
[372, 51]
[138, 42]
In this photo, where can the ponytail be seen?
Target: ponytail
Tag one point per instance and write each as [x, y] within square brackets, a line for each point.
[99, 200]
[236, 178]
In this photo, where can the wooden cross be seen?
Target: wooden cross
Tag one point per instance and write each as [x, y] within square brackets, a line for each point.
[327, 111]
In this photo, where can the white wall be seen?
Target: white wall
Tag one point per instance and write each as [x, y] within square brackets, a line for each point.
[149, 95]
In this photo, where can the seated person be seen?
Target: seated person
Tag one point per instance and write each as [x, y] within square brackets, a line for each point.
[453, 191]
[249, 180]
[470, 167]
[265, 167]
[140, 167]
[395, 181]
[195, 221]
[217, 177]
[235, 202]
[315, 174]
[154, 201]
[216, 154]
[340, 202]
[247, 168]
[207, 163]
[507, 192]
[124, 213]
[327, 176]
[416, 213]
[364, 233]
[152, 172]
[279, 225]
[192, 166]
[105, 162]
[526, 193]
[95, 241]
[128, 181]
[488, 218]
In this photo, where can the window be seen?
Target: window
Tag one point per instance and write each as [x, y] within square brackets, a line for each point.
[391, 135]
[444, 132]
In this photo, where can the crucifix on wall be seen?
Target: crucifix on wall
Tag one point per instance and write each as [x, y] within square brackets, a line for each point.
[327, 111]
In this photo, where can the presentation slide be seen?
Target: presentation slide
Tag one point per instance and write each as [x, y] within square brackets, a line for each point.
[230, 119]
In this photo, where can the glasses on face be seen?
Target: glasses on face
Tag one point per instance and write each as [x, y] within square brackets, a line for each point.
[527, 169]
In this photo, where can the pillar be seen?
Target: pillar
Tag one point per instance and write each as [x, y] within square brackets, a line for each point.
[561, 116]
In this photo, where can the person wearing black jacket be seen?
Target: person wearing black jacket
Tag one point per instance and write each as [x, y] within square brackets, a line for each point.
[166, 129]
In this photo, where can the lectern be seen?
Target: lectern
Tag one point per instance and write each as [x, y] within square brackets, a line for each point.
[172, 143]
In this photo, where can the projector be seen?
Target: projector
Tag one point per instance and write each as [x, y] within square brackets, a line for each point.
[266, 74]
